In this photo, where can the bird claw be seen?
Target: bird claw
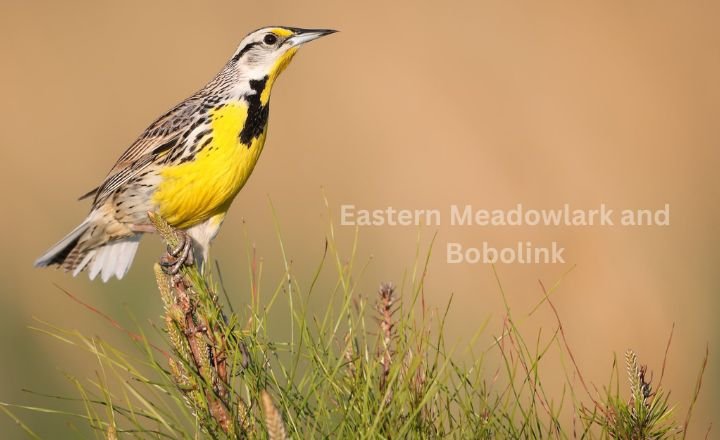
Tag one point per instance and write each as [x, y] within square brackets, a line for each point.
[179, 256]
[182, 244]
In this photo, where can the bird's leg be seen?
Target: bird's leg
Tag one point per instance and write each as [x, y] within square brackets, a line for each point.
[179, 256]
[143, 228]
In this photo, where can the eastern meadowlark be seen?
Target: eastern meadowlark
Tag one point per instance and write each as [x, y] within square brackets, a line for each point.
[188, 165]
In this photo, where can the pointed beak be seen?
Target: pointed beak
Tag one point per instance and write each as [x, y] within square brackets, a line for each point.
[303, 36]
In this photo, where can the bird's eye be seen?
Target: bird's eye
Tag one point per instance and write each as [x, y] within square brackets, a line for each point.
[270, 39]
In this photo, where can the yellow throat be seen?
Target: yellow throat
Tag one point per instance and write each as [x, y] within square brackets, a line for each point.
[204, 187]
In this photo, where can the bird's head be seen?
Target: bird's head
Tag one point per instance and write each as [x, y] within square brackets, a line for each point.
[268, 51]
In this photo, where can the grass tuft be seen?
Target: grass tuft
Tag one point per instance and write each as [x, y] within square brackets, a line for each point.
[359, 368]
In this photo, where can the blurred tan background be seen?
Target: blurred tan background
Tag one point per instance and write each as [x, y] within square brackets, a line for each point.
[414, 105]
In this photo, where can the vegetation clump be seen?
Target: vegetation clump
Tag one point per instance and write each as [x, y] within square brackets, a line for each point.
[365, 367]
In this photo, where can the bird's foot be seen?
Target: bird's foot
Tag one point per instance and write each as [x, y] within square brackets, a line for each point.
[179, 256]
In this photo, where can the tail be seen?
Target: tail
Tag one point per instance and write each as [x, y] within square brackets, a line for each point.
[88, 247]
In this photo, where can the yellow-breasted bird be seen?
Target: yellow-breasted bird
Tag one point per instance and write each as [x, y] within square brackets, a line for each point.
[188, 165]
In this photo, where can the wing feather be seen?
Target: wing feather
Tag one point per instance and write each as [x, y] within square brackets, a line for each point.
[161, 137]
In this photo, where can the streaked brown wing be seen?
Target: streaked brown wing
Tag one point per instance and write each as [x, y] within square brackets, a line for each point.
[160, 137]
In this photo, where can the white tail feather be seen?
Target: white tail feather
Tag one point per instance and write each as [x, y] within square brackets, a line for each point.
[83, 263]
[113, 259]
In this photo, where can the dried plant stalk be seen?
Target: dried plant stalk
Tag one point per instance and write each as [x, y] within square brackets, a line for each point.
[196, 333]
[385, 310]
[273, 419]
